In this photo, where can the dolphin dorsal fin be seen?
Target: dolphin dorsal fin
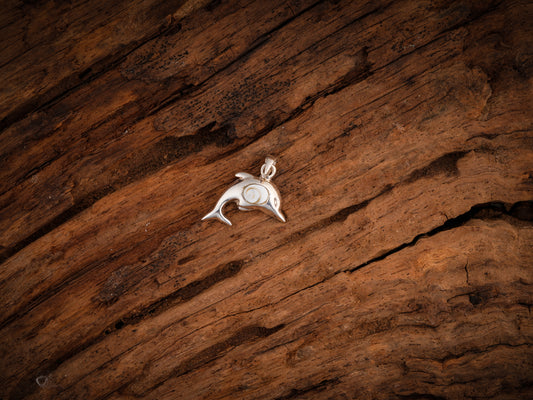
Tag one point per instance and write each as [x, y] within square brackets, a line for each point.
[243, 175]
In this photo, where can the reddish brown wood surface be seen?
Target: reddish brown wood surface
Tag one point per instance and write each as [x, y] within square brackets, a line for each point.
[403, 133]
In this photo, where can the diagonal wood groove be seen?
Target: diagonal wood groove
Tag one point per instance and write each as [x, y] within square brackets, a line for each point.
[446, 163]
[195, 143]
[73, 82]
[490, 210]
[522, 211]
[244, 335]
[318, 387]
[240, 59]
[221, 136]
[184, 89]
[480, 211]
[406, 182]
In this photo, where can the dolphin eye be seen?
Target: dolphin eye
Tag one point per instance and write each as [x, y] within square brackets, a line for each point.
[275, 202]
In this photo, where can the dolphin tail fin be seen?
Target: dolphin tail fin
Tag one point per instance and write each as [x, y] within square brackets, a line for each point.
[217, 213]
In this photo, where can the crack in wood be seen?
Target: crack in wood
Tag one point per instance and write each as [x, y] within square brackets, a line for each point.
[240, 59]
[197, 329]
[162, 153]
[152, 159]
[315, 388]
[244, 335]
[456, 356]
[34, 302]
[171, 148]
[75, 81]
[196, 142]
[338, 217]
[183, 294]
[445, 164]
[475, 212]
[421, 396]
[467, 274]
[489, 210]
[498, 209]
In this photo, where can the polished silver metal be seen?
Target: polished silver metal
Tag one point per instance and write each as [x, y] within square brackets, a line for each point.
[252, 193]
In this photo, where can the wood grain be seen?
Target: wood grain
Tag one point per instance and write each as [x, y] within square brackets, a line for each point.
[403, 133]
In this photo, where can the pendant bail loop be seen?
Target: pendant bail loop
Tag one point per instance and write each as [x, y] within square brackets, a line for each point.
[268, 170]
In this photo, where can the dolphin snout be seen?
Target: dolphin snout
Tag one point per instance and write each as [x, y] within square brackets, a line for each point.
[279, 215]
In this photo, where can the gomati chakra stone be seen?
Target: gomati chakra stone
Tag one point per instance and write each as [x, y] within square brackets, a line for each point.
[255, 194]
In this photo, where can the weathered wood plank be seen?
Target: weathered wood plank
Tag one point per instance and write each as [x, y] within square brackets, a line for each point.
[56, 149]
[344, 330]
[392, 121]
[53, 48]
[373, 92]
[81, 189]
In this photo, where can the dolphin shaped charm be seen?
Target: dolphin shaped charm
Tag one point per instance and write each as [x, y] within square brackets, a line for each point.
[252, 193]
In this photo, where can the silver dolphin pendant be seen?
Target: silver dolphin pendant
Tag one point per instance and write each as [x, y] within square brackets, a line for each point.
[252, 193]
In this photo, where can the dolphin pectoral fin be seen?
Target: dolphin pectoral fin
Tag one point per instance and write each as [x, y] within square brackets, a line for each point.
[243, 175]
[218, 215]
[244, 208]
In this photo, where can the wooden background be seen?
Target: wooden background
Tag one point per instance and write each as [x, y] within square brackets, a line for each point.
[403, 133]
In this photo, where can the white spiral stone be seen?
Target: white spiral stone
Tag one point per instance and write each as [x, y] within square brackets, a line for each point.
[255, 194]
